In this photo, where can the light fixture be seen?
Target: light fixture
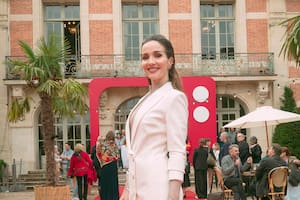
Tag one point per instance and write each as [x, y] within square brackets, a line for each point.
[72, 30]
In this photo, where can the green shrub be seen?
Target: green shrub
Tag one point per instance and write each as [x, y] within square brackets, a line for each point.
[288, 134]
[2, 165]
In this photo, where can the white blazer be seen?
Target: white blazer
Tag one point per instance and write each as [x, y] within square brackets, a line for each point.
[156, 131]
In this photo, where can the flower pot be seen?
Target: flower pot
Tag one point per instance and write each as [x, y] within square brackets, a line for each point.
[52, 192]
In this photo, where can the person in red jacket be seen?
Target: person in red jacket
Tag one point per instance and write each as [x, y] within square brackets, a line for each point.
[80, 167]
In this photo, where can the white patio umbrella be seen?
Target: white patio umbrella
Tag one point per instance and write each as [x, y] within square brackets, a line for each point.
[263, 116]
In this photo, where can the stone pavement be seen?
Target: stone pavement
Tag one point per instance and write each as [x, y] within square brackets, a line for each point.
[29, 195]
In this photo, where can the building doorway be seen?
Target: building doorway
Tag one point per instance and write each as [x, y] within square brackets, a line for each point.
[72, 130]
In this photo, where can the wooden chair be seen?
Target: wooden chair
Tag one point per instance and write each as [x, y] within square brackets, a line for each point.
[227, 191]
[277, 179]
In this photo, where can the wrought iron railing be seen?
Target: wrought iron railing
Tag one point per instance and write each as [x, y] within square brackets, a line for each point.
[239, 64]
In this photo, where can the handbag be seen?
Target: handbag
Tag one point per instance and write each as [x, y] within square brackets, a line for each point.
[216, 196]
[211, 162]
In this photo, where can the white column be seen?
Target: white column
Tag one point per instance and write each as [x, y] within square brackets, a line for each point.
[196, 33]
[84, 27]
[163, 18]
[240, 27]
[117, 26]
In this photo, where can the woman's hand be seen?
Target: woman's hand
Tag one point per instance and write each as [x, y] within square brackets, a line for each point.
[174, 190]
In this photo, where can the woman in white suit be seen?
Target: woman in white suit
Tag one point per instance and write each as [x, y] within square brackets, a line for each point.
[156, 129]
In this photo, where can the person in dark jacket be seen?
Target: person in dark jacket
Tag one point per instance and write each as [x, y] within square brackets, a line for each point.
[293, 188]
[264, 168]
[255, 149]
[96, 165]
[225, 148]
[243, 147]
[200, 166]
[186, 178]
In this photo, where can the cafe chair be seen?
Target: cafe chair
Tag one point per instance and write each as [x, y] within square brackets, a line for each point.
[277, 179]
[227, 191]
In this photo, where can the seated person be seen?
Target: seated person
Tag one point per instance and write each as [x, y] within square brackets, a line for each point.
[231, 169]
[286, 155]
[293, 188]
[261, 174]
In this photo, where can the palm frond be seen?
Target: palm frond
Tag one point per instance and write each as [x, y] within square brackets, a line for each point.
[18, 109]
[51, 87]
[29, 53]
[291, 46]
[71, 99]
[73, 89]
[61, 107]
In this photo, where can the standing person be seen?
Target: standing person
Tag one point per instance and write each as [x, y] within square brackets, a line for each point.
[200, 166]
[57, 161]
[124, 156]
[186, 179]
[80, 167]
[66, 157]
[255, 149]
[225, 148]
[108, 155]
[232, 136]
[155, 131]
[231, 169]
[222, 130]
[96, 162]
[119, 141]
[216, 151]
[243, 147]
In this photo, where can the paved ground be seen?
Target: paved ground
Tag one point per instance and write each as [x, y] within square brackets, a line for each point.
[29, 195]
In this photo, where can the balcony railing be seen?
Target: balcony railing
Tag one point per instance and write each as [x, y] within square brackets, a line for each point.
[239, 64]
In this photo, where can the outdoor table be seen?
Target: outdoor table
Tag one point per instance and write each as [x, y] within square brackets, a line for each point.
[250, 180]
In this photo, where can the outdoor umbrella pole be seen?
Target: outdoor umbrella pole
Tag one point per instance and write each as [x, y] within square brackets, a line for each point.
[266, 126]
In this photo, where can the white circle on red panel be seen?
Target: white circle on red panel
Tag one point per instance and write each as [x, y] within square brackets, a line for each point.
[201, 114]
[200, 94]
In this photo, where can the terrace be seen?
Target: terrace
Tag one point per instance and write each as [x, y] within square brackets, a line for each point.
[91, 66]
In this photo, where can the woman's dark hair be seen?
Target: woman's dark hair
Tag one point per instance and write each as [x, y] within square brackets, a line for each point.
[110, 136]
[173, 74]
[286, 151]
[253, 140]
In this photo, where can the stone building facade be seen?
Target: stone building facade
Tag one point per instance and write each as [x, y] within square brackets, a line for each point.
[236, 42]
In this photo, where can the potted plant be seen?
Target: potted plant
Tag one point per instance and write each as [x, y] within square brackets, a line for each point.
[58, 96]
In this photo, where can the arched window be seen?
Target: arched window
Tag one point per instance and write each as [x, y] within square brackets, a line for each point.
[122, 113]
[228, 109]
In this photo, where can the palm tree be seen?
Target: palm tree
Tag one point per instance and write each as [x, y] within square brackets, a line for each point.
[291, 46]
[63, 97]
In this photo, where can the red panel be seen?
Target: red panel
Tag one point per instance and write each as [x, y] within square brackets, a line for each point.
[201, 128]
